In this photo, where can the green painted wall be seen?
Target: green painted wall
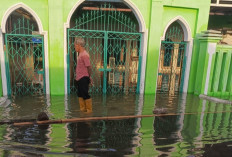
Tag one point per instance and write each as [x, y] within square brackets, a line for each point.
[56, 50]
[156, 14]
[221, 72]
[201, 67]
[163, 12]
[214, 22]
[53, 14]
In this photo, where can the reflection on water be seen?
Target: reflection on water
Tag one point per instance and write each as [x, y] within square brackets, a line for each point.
[200, 128]
[103, 138]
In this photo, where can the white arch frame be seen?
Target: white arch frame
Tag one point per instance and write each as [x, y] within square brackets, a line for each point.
[142, 29]
[41, 31]
[189, 40]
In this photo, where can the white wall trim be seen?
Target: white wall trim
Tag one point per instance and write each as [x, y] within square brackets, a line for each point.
[157, 75]
[188, 54]
[3, 68]
[221, 5]
[66, 26]
[142, 29]
[180, 121]
[201, 125]
[45, 34]
[41, 31]
[211, 51]
[138, 15]
[71, 13]
[144, 60]
[189, 47]
[24, 6]
[185, 26]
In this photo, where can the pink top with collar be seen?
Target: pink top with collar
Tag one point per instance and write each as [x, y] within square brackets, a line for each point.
[82, 63]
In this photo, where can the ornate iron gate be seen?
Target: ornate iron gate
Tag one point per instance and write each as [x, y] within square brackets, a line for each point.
[24, 56]
[114, 48]
[172, 60]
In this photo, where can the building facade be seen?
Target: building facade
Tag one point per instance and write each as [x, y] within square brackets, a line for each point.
[135, 46]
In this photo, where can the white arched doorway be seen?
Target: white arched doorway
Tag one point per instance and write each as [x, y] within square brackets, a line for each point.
[40, 37]
[143, 44]
[175, 57]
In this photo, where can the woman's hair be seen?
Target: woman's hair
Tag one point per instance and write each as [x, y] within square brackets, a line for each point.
[80, 41]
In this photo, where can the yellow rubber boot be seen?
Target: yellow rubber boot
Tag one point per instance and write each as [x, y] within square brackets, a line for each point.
[82, 104]
[88, 104]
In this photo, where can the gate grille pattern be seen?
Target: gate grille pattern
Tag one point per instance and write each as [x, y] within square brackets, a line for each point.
[114, 48]
[114, 59]
[106, 18]
[24, 60]
[96, 51]
[172, 60]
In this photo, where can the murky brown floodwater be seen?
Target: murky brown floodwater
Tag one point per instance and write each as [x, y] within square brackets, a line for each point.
[200, 128]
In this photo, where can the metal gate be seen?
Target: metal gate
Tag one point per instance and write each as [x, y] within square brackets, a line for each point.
[172, 60]
[24, 57]
[114, 48]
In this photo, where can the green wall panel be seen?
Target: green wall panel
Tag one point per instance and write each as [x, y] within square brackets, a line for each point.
[229, 83]
[194, 64]
[225, 71]
[56, 50]
[153, 48]
[189, 14]
[217, 72]
[201, 69]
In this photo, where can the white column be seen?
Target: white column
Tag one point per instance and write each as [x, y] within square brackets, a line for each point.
[3, 68]
[143, 53]
[65, 59]
[45, 33]
[211, 51]
[188, 55]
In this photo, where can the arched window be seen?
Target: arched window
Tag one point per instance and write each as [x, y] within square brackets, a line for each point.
[171, 63]
[24, 54]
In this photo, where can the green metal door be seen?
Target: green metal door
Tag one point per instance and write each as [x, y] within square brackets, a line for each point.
[122, 62]
[24, 59]
[172, 60]
[114, 59]
[114, 48]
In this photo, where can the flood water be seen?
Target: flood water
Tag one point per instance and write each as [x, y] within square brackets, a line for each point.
[192, 127]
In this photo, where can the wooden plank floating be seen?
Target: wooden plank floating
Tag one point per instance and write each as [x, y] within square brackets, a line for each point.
[74, 120]
[17, 121]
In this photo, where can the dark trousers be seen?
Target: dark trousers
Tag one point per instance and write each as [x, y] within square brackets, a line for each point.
[83, 87]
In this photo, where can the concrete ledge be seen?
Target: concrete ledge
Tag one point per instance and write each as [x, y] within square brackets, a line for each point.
[216, 100]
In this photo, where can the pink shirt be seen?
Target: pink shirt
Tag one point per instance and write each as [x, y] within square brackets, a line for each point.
[82, 63]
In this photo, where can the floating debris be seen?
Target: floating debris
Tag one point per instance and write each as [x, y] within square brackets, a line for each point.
[160, 111]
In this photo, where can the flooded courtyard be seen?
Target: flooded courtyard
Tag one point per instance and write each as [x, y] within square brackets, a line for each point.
[190, 127]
